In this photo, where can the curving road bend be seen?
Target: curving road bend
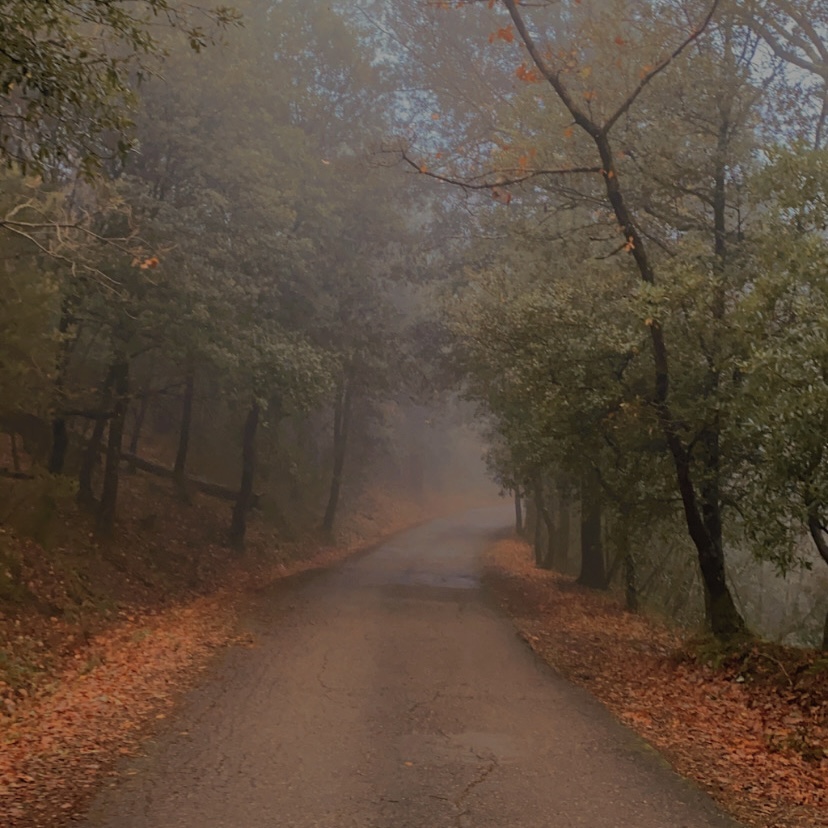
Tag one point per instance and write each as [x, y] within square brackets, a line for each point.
[387, 693]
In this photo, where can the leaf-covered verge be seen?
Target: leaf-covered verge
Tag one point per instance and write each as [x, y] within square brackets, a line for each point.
[750, 724]
[100, 641]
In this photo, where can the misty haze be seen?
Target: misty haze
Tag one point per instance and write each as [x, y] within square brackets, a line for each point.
[414, 414]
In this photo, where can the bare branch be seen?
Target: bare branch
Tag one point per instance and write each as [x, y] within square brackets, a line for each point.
[580, 117]
[660, 67]
[499, 178]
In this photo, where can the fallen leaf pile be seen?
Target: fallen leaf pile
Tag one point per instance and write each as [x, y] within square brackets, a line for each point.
[60, 742]
[751, 725]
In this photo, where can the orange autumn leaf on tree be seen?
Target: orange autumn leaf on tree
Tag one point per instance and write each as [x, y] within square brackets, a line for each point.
[147, 264]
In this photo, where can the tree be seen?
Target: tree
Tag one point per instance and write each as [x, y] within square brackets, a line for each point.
[67, 71]
[784, 487]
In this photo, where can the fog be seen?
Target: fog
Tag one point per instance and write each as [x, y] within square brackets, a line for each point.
[292, 255]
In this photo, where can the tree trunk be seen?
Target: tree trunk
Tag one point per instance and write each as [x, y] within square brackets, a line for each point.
[518, 512]
[537, 539]
[60, 432]
[138, 427]
[91, 458]
[238, 525]
[593, 567]
[15, 453]
[630, 572]
[630, 583]
[537, 500]
[824, 645]
[621, 535]
[549, 555]
[60, 445]
[562, 526]
[818, 536]
[109, 496]
[342, 425]
[179, 470]
[711, 508]
[722, 616]
[92, 454]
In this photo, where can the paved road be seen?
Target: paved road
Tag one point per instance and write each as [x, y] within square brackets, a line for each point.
[388, 693]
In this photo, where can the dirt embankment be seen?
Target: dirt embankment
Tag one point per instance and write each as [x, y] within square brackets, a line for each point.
[750, 725]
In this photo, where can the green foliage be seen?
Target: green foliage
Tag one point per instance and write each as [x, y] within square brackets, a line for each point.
[243, 248]
[28, 301]
[783, 405]
[67, 70]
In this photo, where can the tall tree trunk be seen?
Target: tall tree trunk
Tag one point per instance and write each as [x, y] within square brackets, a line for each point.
[60, 431]
[91, 458]
[593, 566]
[342, 426]
[717, 601]
[238, 525]
[630, 582]
[562, 525]
[818, 535]
[92, 453]
[60, 444]
[15, 453]
[180, 467]
[631, 598]
[549, 553]
[539, 523]
[109, 496]
[138, 426]
[518, 511]
[720, 608]
[824, 645]
[537, 527]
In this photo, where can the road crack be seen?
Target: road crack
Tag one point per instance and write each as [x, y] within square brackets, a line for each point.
[459, 803]
[326, 688]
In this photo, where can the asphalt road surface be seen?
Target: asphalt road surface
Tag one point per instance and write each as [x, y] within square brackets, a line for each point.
[390, 693]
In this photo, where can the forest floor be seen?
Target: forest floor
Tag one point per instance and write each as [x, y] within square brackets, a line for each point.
[749, 725]
[98, 640]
